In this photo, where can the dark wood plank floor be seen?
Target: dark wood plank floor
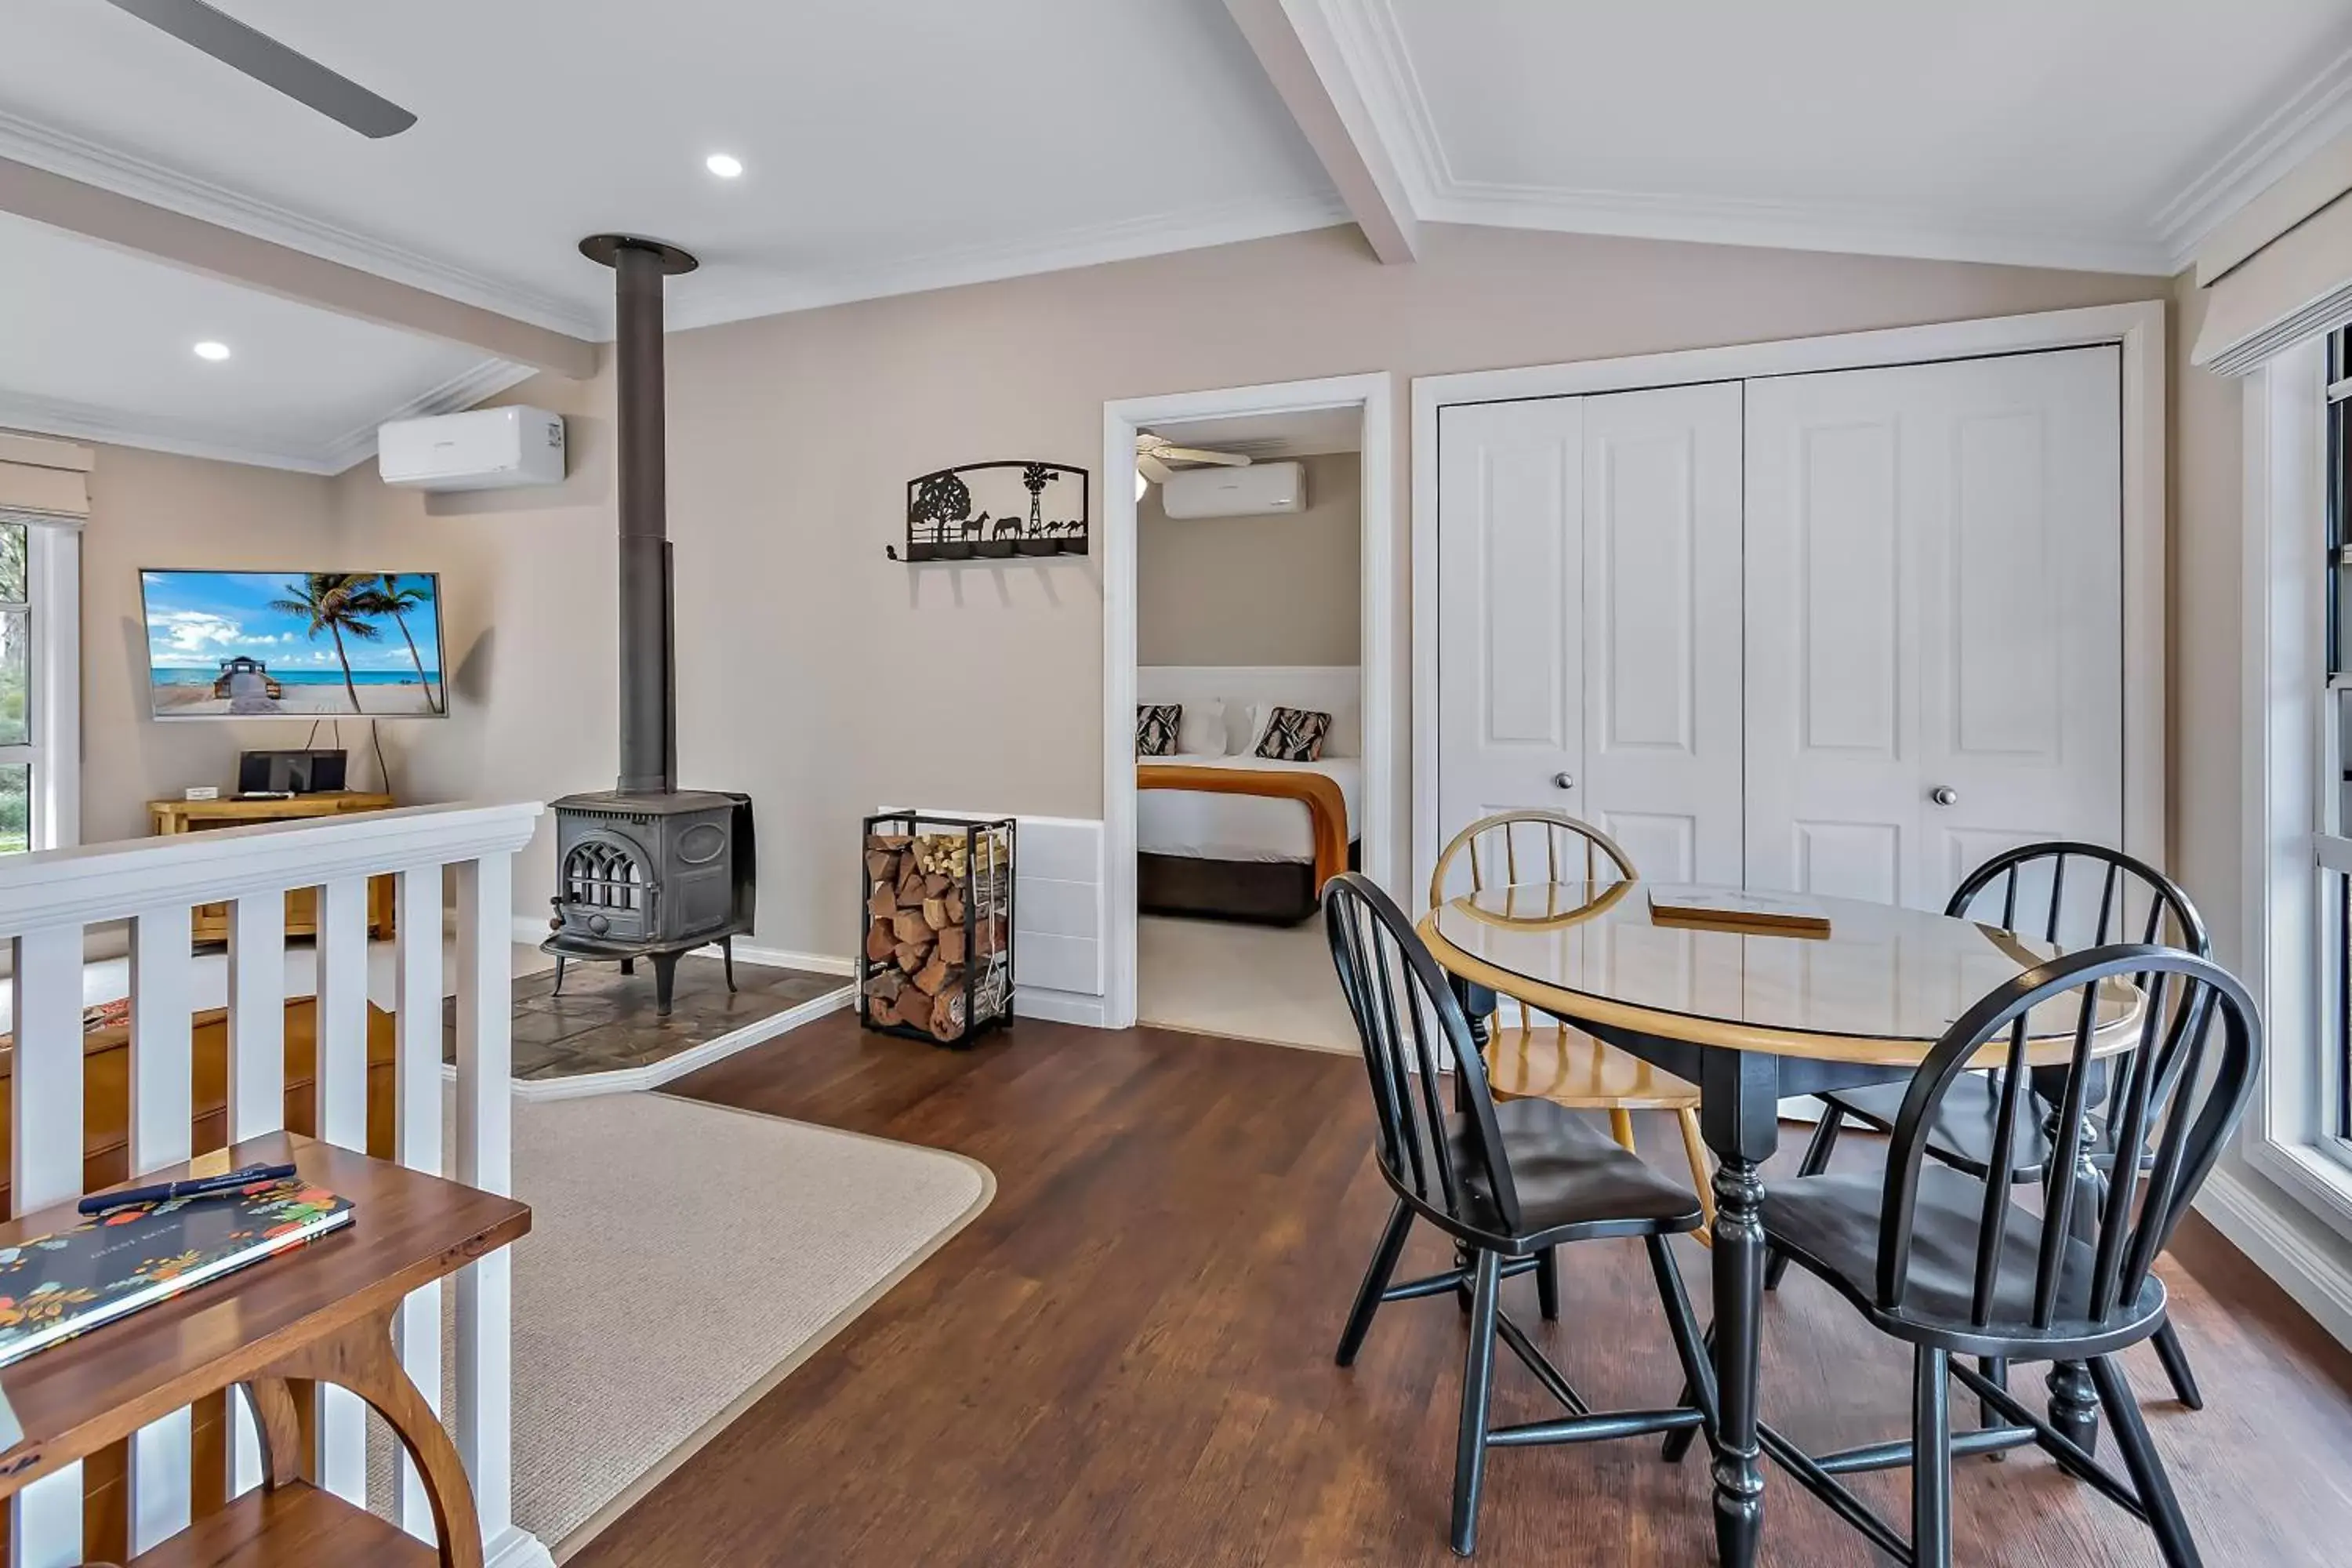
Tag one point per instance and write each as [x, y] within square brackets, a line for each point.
[1125, 1360]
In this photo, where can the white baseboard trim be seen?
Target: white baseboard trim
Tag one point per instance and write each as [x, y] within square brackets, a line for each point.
[2320, 1285]
[1057, 1006]
[516, 1548]
[529, 930]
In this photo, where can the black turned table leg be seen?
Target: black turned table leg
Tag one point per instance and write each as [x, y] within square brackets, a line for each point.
[2073, 1397]
[1740, 1113]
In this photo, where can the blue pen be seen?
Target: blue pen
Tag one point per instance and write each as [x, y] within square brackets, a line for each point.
[200, 1187]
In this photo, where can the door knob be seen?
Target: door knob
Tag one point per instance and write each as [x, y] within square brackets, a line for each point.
[1565, 780]
[1944, 795]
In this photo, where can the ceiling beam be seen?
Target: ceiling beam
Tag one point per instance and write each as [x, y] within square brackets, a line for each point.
[209, 249]
[1294, 42]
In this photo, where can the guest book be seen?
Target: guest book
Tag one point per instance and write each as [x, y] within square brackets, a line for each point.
[1772, 914]
[55, 1286]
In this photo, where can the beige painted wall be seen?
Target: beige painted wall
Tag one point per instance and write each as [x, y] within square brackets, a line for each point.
[1254, 590]
[804, 656]
[154, 509]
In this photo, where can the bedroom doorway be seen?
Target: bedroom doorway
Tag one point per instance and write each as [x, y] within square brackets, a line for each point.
[1247, 664]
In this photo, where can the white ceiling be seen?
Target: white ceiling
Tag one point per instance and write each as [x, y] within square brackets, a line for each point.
[1304, 433]
[924, 143]
[883, 143]
[2096, 134]
[302, 388]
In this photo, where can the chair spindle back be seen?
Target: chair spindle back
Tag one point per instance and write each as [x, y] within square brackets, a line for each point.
[2184, 997]
[1413, 1029]
[2028, 887]
[1531, 845]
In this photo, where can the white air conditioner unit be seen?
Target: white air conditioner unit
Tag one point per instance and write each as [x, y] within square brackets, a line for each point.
[1257, 490]
[484, 449]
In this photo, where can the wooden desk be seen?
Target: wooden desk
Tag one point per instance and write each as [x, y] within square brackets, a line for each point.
[323, 1312]
[211, 920]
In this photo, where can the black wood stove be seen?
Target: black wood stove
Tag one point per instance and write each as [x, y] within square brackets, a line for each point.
[646, 869]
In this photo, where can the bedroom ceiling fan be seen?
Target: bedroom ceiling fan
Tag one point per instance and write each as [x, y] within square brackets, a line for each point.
[1155, 457]
[271, 63]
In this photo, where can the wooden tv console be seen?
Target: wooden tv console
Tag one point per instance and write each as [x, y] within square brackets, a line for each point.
[211, 920]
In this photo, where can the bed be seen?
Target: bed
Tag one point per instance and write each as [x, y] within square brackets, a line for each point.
[1226, 835]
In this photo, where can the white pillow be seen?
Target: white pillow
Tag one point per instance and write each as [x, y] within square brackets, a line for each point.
[1201, 730]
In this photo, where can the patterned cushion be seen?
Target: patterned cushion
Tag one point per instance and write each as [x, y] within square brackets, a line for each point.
[1293, 735]
[1155, 728]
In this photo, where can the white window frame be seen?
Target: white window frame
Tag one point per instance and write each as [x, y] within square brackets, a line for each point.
[2289, 794]
[53, 590]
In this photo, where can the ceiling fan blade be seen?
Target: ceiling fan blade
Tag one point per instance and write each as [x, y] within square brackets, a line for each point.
[1152, 469]
[267, 61]
[1195, 454]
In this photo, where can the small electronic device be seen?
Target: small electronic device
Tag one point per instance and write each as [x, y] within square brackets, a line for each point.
[276, 774]
[201, 792]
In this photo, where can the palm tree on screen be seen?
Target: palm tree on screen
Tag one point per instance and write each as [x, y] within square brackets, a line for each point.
[337, 603]
[395, 601]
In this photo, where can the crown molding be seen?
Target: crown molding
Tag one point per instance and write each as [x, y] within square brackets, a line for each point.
[225, 443]
[1372, 49]
[2304, 121]
[74, 159]
[460, 391]
[1850, 229]
[725, 300]
[1373, 45]
[185, 437]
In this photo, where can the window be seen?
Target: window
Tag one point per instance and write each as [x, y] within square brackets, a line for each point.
[41, 682]
[17, 753]
[2333, 829]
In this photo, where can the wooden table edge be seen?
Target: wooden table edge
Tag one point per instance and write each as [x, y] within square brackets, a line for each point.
[1690, 1029]
[33, 1457]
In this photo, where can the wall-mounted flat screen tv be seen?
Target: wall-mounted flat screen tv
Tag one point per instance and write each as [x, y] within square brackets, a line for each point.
[294, 645]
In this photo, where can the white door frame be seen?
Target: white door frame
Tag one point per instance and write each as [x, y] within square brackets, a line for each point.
[1377, 656]
[2137, 328]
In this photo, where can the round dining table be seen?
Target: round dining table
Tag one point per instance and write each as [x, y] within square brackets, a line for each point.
[1755, 1014]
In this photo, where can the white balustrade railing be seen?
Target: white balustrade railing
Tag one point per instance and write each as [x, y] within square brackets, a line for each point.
[46, 902]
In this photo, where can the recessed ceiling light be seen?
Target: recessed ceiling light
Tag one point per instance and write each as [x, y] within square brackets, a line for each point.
[211, 351]
[723, 165]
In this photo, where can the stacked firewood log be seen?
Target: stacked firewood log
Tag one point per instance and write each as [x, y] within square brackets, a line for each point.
[919, 936]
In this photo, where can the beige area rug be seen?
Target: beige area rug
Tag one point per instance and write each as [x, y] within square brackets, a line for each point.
[683, 1258]
[1255, 982]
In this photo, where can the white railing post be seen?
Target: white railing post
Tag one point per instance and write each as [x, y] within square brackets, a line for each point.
[256, 1088]
[49, 898]
[341, 1066]
[45, 1159]
[162, 1061]
[484, 1159]
[416, 1132]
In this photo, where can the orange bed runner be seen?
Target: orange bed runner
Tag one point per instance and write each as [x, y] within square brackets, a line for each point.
[1326, 808]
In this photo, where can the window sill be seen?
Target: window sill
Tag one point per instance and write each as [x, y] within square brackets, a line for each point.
[2317, 1177]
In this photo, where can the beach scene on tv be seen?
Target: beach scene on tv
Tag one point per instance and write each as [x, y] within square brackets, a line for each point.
[315, 645]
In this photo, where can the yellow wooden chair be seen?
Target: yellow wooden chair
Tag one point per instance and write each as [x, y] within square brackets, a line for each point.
[1555, 1061]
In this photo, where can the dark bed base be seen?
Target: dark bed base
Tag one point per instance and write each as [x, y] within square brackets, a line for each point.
[1261, 892]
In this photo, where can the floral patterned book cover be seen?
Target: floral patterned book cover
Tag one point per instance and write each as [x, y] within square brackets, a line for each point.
[55, 1286]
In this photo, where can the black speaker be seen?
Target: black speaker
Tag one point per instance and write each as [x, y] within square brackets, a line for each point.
[290, 773]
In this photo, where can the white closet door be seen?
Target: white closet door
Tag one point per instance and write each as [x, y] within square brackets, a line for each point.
[1934, 619]
[1589, 619]
[1510, 596]
[1662, 616]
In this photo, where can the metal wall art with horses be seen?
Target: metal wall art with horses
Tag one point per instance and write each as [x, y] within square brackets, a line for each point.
[990, 511]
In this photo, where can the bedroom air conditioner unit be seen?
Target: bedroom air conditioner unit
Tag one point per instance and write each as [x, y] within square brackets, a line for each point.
[483, 449]
[1260, 489]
